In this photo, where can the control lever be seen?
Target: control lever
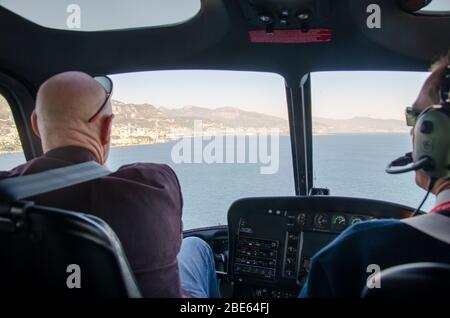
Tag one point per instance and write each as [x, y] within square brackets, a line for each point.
[221, 261]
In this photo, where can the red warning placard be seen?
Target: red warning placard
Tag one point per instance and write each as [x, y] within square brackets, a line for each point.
[291, 36]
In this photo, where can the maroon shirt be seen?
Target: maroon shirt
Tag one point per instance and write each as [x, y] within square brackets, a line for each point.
[141, 202]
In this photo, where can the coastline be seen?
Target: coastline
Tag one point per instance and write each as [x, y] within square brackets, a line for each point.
[281, 135]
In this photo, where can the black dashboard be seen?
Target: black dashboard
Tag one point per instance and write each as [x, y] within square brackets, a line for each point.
[272, 239]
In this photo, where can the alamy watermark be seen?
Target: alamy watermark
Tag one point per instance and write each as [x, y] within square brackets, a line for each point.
[374, 18]
[73, 20]
[228, 145]
[74, 278]
[374, 279]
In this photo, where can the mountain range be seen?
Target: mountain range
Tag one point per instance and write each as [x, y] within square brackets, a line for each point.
[149, 116]
[358, 125]
[146, 115]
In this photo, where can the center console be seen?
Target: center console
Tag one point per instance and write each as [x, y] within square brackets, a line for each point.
[272, 240]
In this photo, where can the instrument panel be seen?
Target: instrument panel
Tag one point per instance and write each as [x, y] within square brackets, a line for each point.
[272, 240]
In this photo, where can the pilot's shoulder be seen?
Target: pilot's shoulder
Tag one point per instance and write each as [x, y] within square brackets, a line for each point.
[19, 170]
[372, 226]
[369, 228]
[146, 172]
[362, 233]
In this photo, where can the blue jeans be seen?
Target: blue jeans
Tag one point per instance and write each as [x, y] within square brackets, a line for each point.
[197, 268]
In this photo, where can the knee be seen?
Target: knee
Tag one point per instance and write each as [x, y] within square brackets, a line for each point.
[195, 243]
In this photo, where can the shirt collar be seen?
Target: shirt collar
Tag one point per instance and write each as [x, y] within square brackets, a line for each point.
[442, 197]
[73, 154]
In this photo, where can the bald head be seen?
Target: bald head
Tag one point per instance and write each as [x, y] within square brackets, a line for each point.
[64, 105]
[70, 95]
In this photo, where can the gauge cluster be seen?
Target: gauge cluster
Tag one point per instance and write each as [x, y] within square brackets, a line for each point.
[329, 222]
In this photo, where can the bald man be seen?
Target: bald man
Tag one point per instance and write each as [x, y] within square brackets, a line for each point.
[142, 202]
[341, 268]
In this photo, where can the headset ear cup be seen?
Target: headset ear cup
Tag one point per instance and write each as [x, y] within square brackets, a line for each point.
[432, 139]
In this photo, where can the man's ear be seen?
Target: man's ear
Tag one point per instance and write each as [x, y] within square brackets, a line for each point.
[106, 130]
[34, 124]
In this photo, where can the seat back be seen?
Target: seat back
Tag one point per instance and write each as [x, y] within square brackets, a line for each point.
[412, 281]
[53, 252]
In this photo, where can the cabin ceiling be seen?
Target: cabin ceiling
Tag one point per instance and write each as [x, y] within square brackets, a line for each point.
[218, 38]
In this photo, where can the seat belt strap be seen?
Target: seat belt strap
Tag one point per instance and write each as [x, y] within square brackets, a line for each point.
[432, 224]
[18, 188]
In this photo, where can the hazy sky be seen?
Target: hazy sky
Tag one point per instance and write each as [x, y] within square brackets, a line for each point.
[252, 91]
[438, 5]
[372, 94]
[334, 94]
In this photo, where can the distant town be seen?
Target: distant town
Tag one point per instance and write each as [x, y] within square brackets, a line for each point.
[136, 124]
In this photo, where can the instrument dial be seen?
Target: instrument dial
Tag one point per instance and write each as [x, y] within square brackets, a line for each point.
[339, 222]
[355, 219]
[322, 221]
[302, 219]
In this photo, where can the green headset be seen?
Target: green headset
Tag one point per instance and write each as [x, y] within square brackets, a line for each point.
[431, 137]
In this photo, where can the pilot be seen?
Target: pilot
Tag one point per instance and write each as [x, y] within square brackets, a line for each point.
[343, 268]
[142, 202]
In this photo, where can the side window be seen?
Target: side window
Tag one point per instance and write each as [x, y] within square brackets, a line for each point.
[11, 153]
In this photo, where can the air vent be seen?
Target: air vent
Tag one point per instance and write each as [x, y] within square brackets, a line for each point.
[271, 15]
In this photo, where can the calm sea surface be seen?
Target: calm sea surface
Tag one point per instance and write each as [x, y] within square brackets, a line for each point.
[348, 164]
